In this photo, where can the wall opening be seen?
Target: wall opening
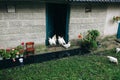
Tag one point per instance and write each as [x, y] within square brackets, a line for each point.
[57, 21]
[118, 32]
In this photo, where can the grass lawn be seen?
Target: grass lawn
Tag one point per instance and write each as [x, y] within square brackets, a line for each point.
[80, 67]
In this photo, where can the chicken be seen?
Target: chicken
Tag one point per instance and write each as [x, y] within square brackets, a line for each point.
[112, 59]
[117, 50]
[67, 45]
[61, 41]
[52, 41]
[54, 38]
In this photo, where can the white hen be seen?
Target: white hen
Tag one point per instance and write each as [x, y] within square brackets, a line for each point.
[54, 38]
[117, 50]
[67, 45]
[61, 41]
[112, 59]
[52, 41]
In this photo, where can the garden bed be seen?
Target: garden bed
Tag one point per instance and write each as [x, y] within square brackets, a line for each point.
[7, 63]
[52, 53]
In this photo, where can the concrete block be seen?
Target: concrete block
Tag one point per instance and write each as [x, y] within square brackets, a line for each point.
[3, 37]
[40, 22]
[31, 16]
[2, 31]
[40, 15]
[25, 16]
[10, 16]
[15, 23]
[28, 8]
[38, 29]
[1, 16]
[12, 31]
[25, 30]
[3, 24]
[97, 15]
[27, 23]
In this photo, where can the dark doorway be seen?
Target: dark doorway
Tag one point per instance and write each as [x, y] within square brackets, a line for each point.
[57, 20]
[118, 32]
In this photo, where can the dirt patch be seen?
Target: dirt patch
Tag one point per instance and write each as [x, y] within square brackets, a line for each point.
[108, 43]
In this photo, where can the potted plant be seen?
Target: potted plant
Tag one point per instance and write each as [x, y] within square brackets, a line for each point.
[6, 54]
[116, 18]
[21, 50]
[1, 53]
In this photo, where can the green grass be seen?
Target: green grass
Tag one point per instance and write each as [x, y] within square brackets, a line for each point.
[84, 67]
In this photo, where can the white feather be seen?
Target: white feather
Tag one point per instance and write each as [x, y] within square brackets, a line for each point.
[117, 50]
[61, 41]
[54, 38]
[112, 59]
[67, 45]
[52, 41]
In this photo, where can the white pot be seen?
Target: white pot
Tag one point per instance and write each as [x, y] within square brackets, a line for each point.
[1, 58]
[21, 60]
[17, 56]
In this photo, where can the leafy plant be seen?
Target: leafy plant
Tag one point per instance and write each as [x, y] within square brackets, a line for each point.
[116, 18]
[13, 53]
[92, 35]
[89, 42]
[6, 54]
[20, 48]
[9, 53]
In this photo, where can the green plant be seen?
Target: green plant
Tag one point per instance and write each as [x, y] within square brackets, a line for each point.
[1, 51]
[89, 43]
[116, 18]
[92, 35]
[5, 54]
[13, 53]
[9, 53]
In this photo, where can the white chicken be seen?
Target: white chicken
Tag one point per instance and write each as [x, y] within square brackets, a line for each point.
[67, 45]
[54, 38]
[117, 50]
[61, 41]
[112, 59]
[52, 41]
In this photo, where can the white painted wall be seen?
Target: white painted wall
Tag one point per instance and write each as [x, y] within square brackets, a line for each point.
[81, 22]
[24, 25]
[110, 26]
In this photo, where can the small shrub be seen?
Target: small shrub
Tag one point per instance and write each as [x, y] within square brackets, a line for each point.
[92, 35]
[89, 43]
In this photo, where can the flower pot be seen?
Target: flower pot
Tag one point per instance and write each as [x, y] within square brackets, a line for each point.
[17, 56]
[1, 58]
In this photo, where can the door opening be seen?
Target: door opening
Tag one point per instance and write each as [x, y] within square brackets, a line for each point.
[118, 32]
[57, 21]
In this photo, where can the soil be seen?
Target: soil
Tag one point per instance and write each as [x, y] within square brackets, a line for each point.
[107, 43]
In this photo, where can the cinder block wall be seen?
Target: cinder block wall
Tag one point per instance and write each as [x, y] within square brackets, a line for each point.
[81, 21]
[26, 24]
